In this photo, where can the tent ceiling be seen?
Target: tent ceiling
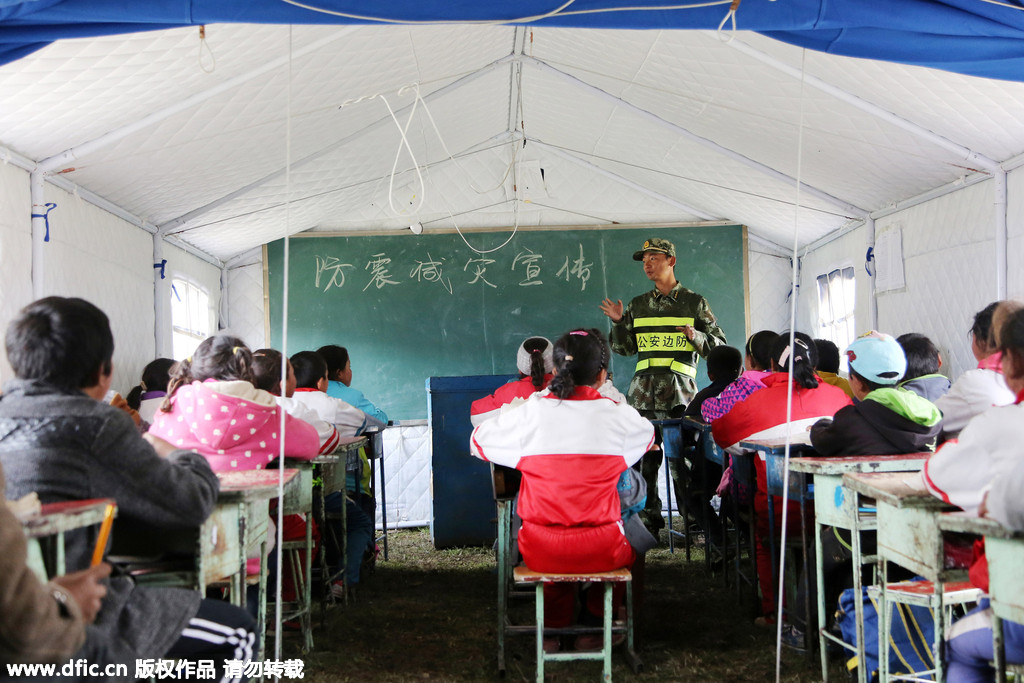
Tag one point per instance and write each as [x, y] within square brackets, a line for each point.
[628, 126]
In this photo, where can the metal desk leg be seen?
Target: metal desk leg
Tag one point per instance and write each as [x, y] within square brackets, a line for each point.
[858, 591]
[668, 496]
[502, 565]
[383, 500]
[819, 573]
[998, 648]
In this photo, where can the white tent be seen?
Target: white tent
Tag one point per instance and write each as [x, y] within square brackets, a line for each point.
[199, 149]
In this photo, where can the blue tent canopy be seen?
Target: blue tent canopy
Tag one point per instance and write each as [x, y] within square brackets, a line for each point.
[965, 36]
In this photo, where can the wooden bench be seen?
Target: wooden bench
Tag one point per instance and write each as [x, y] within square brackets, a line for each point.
[525, 575]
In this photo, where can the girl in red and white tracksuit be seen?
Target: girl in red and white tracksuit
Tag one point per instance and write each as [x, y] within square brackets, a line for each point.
[535, 363]
[571, 445]
[762, 415]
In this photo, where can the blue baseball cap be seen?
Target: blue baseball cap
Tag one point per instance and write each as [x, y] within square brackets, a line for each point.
[878, 358]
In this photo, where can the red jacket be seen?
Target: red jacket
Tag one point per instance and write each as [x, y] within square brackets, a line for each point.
[487, 407]
[762, 415]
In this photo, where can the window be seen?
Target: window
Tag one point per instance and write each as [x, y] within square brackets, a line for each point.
[836, 292]
[190, 317]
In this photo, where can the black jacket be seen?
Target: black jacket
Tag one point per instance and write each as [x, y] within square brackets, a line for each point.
[872, 428]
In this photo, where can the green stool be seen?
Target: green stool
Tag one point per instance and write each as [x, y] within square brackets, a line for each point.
[525, 575]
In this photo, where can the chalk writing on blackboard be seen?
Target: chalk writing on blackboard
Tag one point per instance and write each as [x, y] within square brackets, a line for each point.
[331, 266]
[530, 265]
[479, 269]
[330, 270]
[580, 269]
[378, 267]
[431, 271]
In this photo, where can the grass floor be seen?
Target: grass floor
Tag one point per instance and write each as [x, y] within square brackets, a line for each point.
[431, 614]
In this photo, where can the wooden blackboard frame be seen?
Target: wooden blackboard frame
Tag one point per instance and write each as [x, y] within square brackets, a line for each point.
[415, 329]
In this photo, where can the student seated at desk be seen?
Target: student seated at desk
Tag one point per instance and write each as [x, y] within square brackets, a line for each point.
[213, 408]
[534, 360]
[60, 440]
[311, 390]
[987, 458]
[758, 363]
[149, 394]
[43, 623]
[979, 389]
[571, 445]
[359, 527]
[339, 375]
[762, 415]
[828, 365]
[923, 363]
[887, 420]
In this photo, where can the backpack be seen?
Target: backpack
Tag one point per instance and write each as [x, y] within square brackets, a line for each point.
[910, 639]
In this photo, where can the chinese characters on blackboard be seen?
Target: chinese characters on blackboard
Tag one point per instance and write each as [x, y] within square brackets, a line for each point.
[379, 271]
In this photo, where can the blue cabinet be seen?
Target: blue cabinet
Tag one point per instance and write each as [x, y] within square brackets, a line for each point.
[462, 502]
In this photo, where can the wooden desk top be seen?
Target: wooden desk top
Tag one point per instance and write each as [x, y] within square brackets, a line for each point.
[348, 446]
[245, 485]
[801, 441]
[54, 518]
[910, 462]
[967, 523]
[892, 488]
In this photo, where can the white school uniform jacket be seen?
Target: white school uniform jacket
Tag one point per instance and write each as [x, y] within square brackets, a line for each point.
[973, 393]
[571, 453]
[349, 420]
[989, 447]
[328, 434]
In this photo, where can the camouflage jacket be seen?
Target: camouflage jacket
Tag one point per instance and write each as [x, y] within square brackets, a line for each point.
[665, 373]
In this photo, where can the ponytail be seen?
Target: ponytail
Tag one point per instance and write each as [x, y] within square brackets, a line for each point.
[534, 359]
[802, 355]
[220, 357]
[579, 356]
[155, 377]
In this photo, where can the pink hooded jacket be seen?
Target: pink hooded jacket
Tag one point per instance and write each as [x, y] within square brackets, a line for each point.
[234, 424]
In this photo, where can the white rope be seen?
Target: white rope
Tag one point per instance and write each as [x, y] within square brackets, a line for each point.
[789, 391]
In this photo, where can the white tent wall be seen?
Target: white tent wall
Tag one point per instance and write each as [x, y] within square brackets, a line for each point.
[95, 255]
[15, 249]
[246, 305]
[949, 251]
[769, 280]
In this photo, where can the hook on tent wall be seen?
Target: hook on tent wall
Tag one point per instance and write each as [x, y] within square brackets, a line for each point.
[207, 51]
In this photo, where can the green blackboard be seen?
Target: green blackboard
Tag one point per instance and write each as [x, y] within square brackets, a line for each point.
[410, 306]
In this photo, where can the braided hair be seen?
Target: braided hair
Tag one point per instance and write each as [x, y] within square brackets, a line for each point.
[580, 355]
[220, 357]
[536, 346]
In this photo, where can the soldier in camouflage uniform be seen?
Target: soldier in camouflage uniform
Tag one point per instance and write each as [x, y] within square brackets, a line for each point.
[668, 329]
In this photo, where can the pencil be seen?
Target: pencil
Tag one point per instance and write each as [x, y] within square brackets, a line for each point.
[101, 542]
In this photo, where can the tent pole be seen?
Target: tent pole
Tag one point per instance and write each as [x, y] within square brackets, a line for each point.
[1001, 232]
[36, 191]
[869, 223]
[161, 300]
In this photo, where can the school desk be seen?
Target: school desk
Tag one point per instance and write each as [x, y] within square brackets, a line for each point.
[908, 534]
[332, 470]
[1004, 550]
[298, 500]
[54, 520]
[773, 453]
[244, 499]
[375, 454]
[834, 506]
